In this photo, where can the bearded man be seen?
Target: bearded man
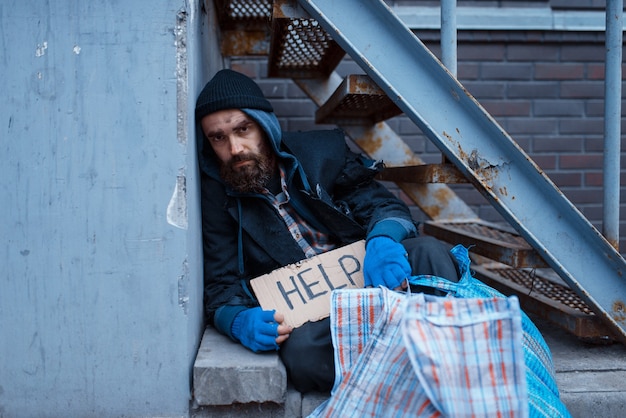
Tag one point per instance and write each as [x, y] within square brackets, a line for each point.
[272, 198]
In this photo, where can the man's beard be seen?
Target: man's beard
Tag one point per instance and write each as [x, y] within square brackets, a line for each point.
[249, 178]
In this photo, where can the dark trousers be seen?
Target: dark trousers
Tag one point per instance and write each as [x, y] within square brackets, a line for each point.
[308, 352]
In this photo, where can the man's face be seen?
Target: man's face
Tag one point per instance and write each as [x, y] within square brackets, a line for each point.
[247, 162]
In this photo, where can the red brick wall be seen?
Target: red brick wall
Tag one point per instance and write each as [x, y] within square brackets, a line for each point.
[547, 91]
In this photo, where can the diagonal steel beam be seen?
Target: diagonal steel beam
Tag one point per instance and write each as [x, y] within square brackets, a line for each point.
[471, 139]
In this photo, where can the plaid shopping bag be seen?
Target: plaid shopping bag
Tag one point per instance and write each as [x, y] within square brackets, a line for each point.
[373, 364]
[374, 376]
[543, 393]
[467, 354]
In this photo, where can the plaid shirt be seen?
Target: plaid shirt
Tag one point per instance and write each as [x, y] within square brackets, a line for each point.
[311, 241]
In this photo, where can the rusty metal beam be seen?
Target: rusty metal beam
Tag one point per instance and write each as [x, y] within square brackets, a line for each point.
[425, 173]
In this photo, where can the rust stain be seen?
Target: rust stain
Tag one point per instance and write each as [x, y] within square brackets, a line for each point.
[363, 84]
[462, 153]
[442, 197]
[619, 311]
[235, 43]
[411, 156]
[433, 211]
[371, 142]
[360, 85]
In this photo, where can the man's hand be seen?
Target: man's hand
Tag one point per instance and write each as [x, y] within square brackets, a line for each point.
[260, 330]
[386, 263]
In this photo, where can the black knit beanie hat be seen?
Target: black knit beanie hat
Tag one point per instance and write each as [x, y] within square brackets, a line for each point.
[229, 89]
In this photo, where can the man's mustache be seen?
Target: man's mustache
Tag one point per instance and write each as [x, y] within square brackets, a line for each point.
[242, 157]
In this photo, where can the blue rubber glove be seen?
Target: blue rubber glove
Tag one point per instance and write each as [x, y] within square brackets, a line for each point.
[256, 329]
[385, 263]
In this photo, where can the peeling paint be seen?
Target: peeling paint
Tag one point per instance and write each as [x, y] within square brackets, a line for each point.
[181, 76]
[474, 161]
[486, 172]
[177, 207]
[183, 288]
[76, 49]
[41, 49]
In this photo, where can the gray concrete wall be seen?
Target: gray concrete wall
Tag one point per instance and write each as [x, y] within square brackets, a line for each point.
[101, 283]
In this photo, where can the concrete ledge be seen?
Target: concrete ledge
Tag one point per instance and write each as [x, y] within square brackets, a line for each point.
[248, 410]
[226, 373]
[296, 406]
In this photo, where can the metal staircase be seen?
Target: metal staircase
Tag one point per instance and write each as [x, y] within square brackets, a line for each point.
[306, 40]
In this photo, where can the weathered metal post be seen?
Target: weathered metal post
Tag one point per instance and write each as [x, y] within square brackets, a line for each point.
[448, 35]
[612, 120]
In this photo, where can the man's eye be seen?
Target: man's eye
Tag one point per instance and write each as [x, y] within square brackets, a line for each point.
[216, 138]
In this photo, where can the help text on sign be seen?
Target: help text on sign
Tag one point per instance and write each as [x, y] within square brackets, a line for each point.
[301, 291]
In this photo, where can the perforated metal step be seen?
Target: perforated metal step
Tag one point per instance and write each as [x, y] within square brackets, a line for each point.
[545, 297]
[300, 47]
[250, 12]
[493, 241]
[357, 100]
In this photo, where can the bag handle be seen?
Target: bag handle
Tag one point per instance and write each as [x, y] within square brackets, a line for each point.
[461, 255]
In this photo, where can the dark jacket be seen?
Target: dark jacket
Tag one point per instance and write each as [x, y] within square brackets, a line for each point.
[244, 237]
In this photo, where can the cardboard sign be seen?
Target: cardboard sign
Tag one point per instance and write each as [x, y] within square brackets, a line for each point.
[301, 291]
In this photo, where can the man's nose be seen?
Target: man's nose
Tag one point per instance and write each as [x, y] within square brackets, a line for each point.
[236, 146]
